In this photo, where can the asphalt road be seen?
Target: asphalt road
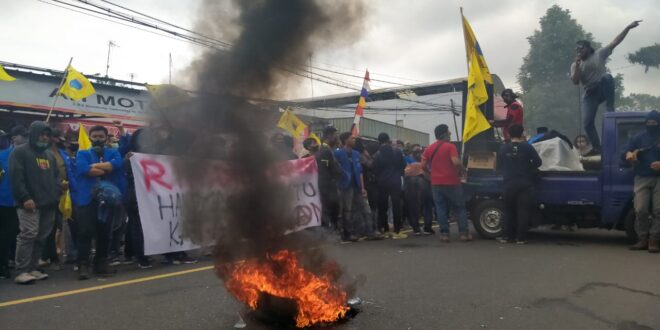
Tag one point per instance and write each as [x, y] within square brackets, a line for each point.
[561, 280]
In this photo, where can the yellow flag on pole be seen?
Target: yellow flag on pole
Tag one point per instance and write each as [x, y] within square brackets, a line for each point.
[472, 47]
[83, 139]
[475, 121]
[4, 75]
[292, 124]
[76, 86]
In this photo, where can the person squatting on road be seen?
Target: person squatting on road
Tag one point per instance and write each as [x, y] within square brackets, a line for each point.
[446, 169]
[643, 151]
[590, 71]
[34, 181]
[519, 162]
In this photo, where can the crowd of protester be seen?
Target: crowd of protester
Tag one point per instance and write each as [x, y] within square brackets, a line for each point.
[101, 228]
[369, 190]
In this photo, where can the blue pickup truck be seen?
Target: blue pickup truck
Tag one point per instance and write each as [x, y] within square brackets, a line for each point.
[589, 199]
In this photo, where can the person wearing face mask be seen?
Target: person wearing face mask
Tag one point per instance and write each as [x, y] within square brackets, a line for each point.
[95, 168]
[36, 189]
[8, 215]
[643, 151]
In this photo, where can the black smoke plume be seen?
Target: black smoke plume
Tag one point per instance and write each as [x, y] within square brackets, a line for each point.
[229, 120]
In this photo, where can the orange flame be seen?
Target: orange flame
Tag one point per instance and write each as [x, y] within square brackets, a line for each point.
[318, 299]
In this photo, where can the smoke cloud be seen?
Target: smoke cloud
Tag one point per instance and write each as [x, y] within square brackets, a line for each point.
[228, 120]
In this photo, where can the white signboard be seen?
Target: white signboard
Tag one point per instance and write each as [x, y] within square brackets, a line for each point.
[32, 91]
[160, 199]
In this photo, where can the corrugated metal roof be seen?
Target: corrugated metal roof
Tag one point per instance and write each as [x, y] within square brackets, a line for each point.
[371, 128]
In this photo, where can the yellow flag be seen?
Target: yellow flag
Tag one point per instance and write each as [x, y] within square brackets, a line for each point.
[292, 124]
[4, 75]
[76, 86]
[83, 139]
[315, 137]
[472, 47]
[475, 121]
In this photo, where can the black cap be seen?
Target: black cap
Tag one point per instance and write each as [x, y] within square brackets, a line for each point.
[584, 43]
[18, 130]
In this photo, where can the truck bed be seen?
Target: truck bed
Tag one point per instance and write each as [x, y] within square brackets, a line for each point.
[553, 188]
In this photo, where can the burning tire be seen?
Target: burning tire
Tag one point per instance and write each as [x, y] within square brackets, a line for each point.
[488, 218]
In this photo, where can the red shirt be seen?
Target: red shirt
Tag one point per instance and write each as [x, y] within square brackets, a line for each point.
[514, 116]
[443, 170]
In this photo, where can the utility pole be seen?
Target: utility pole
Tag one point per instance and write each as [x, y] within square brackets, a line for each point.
[454, 114]
[311, 79]
[107, 63]
[132, 76]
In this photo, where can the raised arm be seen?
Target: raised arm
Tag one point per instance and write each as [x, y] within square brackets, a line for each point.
[622, 35]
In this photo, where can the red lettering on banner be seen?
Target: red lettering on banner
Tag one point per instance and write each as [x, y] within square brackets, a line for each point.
[153, 171]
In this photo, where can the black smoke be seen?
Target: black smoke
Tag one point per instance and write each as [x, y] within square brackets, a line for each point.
[229, 120]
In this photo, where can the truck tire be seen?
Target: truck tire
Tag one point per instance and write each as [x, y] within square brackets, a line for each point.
[629, 226]
[488, 218]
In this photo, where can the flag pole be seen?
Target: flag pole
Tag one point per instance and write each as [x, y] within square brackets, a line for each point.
[467, 53]
[57, 94]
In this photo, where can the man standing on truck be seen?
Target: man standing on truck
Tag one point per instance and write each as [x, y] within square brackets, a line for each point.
[446, 168]
[644, 152]
[519, 162]
[589, 69]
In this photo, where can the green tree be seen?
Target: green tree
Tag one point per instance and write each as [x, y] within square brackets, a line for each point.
[649, 57]
[549, 96]
[639, 102]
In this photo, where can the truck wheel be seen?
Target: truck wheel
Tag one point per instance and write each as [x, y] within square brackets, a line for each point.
[488, 219]
[629, 226]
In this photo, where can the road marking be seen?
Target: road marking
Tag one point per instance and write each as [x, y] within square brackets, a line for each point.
[102, 287]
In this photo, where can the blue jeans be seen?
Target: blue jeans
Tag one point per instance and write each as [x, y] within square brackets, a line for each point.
[592, 98]
[450, 196]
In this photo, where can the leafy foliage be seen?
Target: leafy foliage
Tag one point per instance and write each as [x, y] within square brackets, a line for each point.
[639, 102]
[649, 57]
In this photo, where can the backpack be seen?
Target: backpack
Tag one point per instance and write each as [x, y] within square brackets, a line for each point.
[109, 200]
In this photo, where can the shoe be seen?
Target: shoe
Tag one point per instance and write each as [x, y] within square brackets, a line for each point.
[521, 242]
[38, 275]
[75, 268]
[144, 264]
[128, 261]
[642, 244]
[188, 260]
[653, 246]
[466, 237]
[399, 236]
[104, 271]
[83, 272]
[504, 240]
[24, 278]
[376, 237]
[114, 262]
[43, 263]
[444, 238]
[417, 233]
[429, 231]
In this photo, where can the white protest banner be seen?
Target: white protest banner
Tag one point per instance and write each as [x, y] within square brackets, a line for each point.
[160, 199]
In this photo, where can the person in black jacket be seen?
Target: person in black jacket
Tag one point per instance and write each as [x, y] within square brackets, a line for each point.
[389, 166]
[329, 173]
[519, 162]
[36, 188]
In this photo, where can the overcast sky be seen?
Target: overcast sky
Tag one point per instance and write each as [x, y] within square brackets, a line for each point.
[420, 40]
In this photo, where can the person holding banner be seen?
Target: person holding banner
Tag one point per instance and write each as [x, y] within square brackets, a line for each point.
[98, 173]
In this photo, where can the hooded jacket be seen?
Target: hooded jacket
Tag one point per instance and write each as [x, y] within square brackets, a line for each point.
[647, 144]
[33, 171]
